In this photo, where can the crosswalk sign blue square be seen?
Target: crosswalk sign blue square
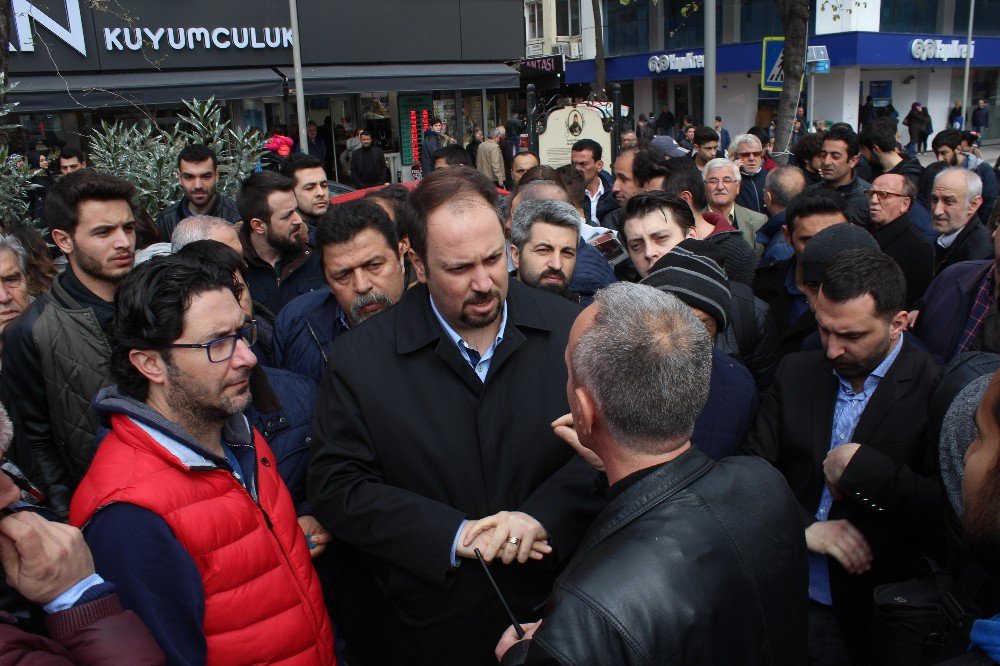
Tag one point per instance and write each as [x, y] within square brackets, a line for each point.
[772, 73]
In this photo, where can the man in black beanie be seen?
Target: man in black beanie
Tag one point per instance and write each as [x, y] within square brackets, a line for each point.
[701, 284]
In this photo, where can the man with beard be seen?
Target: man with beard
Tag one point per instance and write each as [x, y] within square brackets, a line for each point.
[280, 264]
[433, 438]
[55, 355]
[198, 175]
[847, 428]
[543, 245]
[981, 515]
[362, 260]
[183, 506]
[311, 185]
[368, 165]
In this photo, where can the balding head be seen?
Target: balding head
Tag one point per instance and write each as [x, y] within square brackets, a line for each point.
[782, 184]
[204, 227]
[539, 190]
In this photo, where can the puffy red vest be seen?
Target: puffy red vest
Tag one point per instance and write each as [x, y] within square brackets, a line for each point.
[263, 602]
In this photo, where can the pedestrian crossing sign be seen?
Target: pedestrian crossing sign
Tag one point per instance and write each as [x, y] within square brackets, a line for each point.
[772, 73]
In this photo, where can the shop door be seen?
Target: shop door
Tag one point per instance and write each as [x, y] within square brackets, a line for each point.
[682, 101]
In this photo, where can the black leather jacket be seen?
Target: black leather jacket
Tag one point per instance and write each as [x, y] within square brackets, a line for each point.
[696, 563]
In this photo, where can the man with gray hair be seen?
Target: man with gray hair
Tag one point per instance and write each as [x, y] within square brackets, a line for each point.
[638, 363]
[955, 200]
[544, 237]
[722, 186]
[205, 227]
[14, 297]
[781, 185]
[489, 158]
[747, 153]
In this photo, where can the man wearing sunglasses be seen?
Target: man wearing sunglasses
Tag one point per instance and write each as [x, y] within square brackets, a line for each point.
[748, 154]
[889, 201]
[183, 506]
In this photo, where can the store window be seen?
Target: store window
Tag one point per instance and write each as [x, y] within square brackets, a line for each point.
[759, 19]
[986, 20]
[536, 27]
[568, 18]
[626, 28]
[918, 16]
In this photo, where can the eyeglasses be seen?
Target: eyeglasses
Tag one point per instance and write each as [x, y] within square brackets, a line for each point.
[222, 349]
[715, 181]
[752, 153]
[882, 194]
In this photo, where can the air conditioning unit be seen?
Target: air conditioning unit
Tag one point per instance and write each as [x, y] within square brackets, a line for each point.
[560, 48]
[575, 49]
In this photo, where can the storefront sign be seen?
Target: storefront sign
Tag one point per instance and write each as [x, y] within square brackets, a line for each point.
[672, 62]
[551, 64]
[414, 118]
[938, 49]
[566, 126]
[178, 39]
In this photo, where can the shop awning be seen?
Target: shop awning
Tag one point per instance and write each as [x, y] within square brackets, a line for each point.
[74, 91]
[344, 79]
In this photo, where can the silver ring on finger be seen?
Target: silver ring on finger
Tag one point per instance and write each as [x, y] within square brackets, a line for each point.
[514, 541]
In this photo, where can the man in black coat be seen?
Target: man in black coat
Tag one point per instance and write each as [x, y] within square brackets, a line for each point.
[847, 428]
[433, 438]
[889, 203]
[674, 570]
[780, 283]
[955, 199]
[368, 166]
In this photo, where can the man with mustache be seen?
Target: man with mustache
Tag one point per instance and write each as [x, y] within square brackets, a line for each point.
[183, 506]
[198, 175]
[56, 354]
[362, 260]
[543, 245]
[433, 438]
[847, 427]
[280, 263]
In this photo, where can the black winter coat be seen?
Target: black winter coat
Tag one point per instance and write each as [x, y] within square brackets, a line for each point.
[409, 442]
[675, 571]
[903, 242]
[972, 243]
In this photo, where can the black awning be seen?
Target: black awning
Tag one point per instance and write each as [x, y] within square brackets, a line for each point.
[343, 79]
[74, 91]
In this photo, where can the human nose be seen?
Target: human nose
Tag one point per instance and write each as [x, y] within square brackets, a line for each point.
[122, 239]
[5, 295]
[243, 356]
[833, 348]
[481, 280]
[362, 283]
[555, 261]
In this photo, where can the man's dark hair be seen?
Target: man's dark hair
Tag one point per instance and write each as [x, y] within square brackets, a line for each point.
[210, 251]
[298, 161]
[252, 199]
[854, 273]
[64, 198]
[435, 120]
[968, 136]
[847, 135]
[197, 152]
[311, 123]
[588, 144]
[149, 312]
[343, 222]
[808, 147]
[396, 196]
[703, 135]
[881, 134]
[643, 204]
[949, 137]
[453, 155]
[685, 177]
[761, 133]
[542, 172]
[70, 153]
[816, 201]
[456, 186]
[646, 166]
[571, 179]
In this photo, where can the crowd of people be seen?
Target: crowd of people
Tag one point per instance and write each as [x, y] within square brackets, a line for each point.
[695, 407]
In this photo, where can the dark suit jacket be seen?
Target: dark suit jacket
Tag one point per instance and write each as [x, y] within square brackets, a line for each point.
[891, 493]
[973, 243]
[408, 442]
[909, 248]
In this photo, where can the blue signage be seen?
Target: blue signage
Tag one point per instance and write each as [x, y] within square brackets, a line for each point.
[772, 73]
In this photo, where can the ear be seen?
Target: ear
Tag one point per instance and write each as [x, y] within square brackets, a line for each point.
[974, 206]
[898, 324]
[150, 365]
[688, 199]
[767, 198]
[257, 226]
[402, 249]
[584, 421]
[515, 256]
[691, 233]
[418, 266]
[63, 241]
[854, 160]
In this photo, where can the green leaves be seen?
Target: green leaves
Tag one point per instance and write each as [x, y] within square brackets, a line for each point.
[146, 154]
[15, 178]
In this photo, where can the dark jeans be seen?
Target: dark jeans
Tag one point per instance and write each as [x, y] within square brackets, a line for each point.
[826, 642]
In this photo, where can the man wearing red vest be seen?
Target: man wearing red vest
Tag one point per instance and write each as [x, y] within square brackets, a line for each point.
[182, 506]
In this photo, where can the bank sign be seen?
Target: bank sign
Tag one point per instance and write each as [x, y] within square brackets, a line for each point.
[78, 35]
[939, 49]
[676, 62]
